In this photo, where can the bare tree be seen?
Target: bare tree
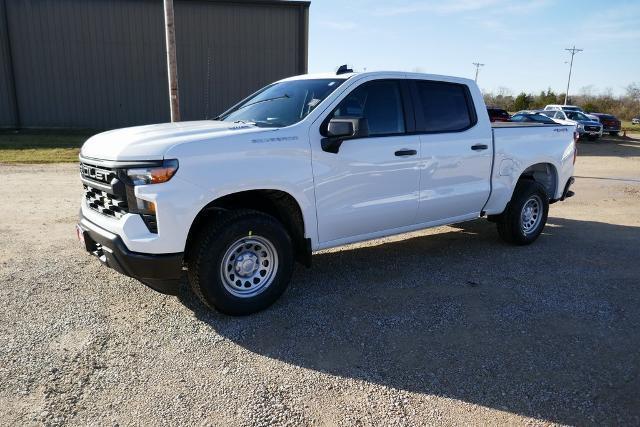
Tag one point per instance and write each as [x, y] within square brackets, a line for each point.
[633, 91]
[587, 90]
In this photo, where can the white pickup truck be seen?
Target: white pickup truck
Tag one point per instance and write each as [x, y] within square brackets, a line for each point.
[308, 163]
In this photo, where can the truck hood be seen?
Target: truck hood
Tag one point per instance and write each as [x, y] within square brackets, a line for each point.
[151, 142]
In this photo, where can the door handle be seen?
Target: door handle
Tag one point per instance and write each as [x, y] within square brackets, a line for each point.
[479, 147]
[406, 152]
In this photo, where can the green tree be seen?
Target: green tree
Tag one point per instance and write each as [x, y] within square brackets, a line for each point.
[522, 102]
[549, 97]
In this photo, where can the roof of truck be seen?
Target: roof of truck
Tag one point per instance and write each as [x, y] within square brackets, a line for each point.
[320, 76]
[386, 74]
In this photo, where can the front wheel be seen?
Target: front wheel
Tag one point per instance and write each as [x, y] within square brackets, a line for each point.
[242, 262]
[614, 133]
[526, 214]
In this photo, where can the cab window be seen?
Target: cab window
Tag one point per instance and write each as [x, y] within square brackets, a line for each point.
[446, 107]
[380, 102]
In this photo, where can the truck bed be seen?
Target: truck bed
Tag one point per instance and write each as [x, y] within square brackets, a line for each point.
[517, 145]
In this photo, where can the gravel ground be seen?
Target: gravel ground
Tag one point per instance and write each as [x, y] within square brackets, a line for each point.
[445, 326]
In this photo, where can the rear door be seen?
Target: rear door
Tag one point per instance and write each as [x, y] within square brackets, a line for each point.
[456, 149]
[371, 184]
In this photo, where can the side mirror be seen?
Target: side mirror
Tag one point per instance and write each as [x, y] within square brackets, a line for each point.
[340, 129]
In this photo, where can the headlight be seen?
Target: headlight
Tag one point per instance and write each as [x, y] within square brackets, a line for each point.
[153, 174]
[580, 126]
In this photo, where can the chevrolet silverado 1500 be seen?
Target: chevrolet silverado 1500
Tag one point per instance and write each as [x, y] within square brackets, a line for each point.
[308, 163]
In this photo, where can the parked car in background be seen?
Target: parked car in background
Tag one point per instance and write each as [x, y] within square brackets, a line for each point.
[498, 115]
[558, 107]
[610, 123]
[584, 125]
[554, 107]
[635, 121]
[532, 118]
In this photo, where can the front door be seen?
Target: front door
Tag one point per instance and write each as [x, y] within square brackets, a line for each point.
[371, 184]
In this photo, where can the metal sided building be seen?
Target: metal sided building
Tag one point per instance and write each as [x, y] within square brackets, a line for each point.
[101, 64]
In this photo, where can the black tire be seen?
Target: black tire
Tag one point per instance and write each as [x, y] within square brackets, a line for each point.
[211, 249]
[614, 133]
[510, 223]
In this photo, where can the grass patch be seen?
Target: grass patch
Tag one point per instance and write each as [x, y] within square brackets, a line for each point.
[41, 146]
[626, 125]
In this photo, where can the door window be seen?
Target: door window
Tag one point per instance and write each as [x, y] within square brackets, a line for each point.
[446, 107]
[380, 103]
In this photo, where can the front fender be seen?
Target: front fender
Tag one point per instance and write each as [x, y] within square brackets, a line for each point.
[222, 168]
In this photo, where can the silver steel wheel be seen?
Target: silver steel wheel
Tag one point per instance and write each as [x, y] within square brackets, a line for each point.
[531, 214]
[249, 266]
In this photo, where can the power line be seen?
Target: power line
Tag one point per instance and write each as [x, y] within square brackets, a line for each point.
[478, 65]
[573, 51]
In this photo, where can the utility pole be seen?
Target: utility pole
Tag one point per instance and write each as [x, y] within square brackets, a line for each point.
[172, 65]
[478, 65]
[573, 51]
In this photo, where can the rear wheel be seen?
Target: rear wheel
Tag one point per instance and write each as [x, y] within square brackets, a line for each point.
[525, 215]
[241, 263]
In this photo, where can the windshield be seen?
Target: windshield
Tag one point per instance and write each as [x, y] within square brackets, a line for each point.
[282, 104]
[532, 118]
[574, 115]
[541, 118]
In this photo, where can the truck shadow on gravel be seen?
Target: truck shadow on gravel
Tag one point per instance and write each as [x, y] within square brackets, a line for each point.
[547, 331]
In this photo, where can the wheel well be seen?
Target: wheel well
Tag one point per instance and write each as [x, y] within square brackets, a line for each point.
[545, 174]
[276, 203]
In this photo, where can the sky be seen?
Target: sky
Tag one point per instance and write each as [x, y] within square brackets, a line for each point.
[521, 42]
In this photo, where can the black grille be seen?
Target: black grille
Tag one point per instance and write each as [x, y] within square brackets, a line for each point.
[101, 187]
[592, 128]
[105, 203]
[106, 192]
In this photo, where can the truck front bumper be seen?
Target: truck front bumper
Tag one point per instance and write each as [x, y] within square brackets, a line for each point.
[592, 133]
[161, 272]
